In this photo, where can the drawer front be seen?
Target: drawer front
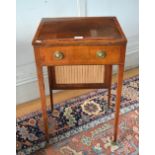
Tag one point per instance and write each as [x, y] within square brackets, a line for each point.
[80, 55]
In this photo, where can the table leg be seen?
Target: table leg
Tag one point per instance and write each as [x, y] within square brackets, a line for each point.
[109, 88]
[43, 99]
[50, 79]
[118, 99]
[51, 100]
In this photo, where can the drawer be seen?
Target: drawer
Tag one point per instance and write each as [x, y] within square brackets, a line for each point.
[74, 55]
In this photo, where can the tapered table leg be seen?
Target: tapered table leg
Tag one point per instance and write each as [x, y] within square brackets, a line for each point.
[51, 100]
[109, 89]
[50, 79]
[118, 99]
[43, 99]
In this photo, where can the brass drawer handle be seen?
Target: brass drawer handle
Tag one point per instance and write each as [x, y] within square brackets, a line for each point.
[101, 54]
[58, 55]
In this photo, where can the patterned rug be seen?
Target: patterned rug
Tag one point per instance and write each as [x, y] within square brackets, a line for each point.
[98, 140]
[88, 116]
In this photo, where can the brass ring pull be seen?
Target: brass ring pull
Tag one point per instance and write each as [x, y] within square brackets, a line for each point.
[101, 54]
[58, 55]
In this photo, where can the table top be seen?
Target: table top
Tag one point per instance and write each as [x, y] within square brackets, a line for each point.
[79, 31]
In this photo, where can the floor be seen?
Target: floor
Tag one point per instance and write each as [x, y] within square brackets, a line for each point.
[31, 106]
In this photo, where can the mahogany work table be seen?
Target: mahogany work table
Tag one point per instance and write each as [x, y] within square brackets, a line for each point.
[79, 53]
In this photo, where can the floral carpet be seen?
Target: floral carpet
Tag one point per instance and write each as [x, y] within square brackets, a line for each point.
[88, 118]
[98, 140]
